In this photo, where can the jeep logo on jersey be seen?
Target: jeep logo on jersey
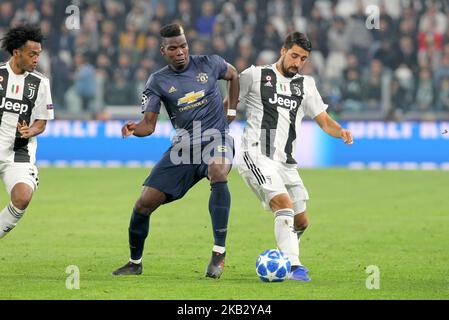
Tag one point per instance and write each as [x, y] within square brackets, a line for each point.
[15, 107]
[284, 102]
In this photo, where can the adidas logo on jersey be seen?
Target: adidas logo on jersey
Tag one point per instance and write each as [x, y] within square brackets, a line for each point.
[284, 102]
[172, 89]
[15, 107]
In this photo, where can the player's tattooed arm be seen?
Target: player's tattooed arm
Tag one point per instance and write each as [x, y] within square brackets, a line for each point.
[331, 127]
[36, 128]
[143, 128]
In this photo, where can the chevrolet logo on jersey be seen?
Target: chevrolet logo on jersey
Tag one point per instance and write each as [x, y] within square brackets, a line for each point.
[191, 97]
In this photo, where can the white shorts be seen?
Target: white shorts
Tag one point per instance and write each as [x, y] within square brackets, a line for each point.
[14, 172]
[268, 178]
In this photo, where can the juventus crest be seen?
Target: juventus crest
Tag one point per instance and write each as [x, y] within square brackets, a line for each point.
[31, 91]
[296, 88]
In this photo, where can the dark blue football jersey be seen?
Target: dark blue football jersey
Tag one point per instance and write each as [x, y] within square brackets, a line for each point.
[191, 96]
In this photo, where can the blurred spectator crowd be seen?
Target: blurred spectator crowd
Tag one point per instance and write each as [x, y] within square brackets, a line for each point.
[390, 66]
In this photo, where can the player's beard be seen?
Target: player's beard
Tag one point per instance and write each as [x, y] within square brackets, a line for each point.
[285, 70]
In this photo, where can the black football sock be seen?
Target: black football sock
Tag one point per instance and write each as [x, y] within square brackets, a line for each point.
[219, 204]
[138, 231]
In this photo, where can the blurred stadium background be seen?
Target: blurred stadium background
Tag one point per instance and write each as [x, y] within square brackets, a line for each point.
[388, 83]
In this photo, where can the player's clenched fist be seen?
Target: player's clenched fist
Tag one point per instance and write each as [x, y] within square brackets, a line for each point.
[128, 129]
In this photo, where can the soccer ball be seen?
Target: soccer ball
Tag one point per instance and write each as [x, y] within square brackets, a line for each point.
[272, 266]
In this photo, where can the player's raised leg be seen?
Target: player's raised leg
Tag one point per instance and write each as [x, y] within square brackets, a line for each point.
[301, 222]
[219, 205]
[286, 239]
[299, 195]
[286, 233]
[139, 226]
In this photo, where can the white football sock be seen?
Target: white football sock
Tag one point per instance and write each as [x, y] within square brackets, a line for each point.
[135, 261]
[286, 238]
[219, 249]
[9, 217]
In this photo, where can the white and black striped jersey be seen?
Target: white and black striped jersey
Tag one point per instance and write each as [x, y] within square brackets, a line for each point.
[25, 97]
[275, 107]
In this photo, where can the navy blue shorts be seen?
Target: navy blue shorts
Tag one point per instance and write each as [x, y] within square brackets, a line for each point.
[180, 168]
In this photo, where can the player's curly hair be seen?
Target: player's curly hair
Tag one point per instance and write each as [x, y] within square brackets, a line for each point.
[299, 39]
[171, 30]
[16, 37]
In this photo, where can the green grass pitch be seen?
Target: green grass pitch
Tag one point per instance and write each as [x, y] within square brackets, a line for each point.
[395, 220]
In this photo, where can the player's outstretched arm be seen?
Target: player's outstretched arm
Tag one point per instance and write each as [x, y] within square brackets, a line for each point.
[331, 127]
[36, 128]
[143, 128]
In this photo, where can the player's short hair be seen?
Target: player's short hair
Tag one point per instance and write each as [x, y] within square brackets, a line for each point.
[171, 30]
[298, 38]
[16, 37]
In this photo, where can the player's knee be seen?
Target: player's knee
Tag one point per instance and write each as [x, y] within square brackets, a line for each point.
[146, 206]
[218, 174]
[21, 196]
[281, 201]
[149, 201]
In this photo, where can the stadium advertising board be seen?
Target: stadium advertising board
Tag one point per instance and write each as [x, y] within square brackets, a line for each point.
[389, 145]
